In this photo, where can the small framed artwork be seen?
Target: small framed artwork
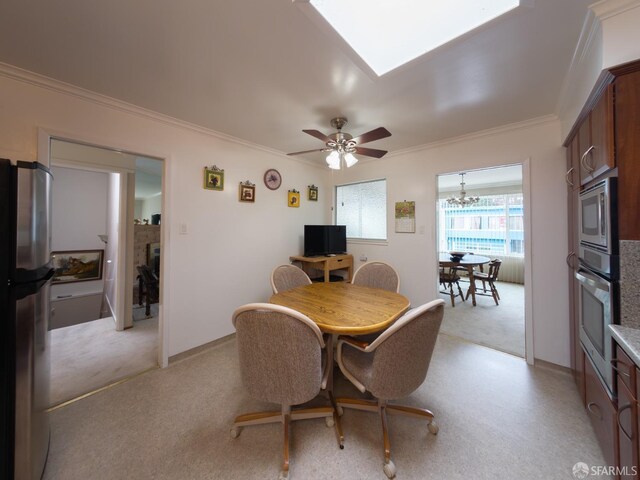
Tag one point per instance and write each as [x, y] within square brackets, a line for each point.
[247, 192]
[313, 193]
[77, 266]
[293, 198]
[213, 178]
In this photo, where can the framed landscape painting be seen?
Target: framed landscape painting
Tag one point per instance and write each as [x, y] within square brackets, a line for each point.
[77, 266]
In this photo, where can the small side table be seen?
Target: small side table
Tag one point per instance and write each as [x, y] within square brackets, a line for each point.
[328, 264]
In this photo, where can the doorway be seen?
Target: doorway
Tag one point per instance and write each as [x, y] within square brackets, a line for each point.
[481, 214]
[95, 340]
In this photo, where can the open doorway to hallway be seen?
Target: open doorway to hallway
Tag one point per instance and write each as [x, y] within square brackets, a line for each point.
[489, 231]
[96, 339]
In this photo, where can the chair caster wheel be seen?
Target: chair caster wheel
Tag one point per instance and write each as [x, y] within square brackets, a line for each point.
[283, 475]
[339, 410]
[329, 421]
[433, 427]
[234, 432]
[389, 469]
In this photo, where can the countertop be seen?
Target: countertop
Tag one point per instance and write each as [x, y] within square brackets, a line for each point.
[629, 339]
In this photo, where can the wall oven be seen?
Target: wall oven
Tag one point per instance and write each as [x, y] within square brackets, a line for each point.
[596, 216]
[597, 305]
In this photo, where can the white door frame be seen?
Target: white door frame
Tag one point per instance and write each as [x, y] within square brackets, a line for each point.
[528, 282]
[44, 153]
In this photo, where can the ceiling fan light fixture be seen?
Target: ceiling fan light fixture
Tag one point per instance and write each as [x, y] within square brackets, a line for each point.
[333, 160]
[350, 160]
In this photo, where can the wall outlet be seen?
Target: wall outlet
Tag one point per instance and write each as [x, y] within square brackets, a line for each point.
[363, 258]
[183, 229]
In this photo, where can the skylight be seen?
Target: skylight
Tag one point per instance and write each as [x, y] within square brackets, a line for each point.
[390, 33]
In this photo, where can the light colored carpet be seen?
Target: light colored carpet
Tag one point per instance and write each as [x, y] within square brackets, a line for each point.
[91, 355]
[499, 419]
[495, 326]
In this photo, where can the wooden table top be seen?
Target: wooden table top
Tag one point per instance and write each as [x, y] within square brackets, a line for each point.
[467, 260]
[343, 308]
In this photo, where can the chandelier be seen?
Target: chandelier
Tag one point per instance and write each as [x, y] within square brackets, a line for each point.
[462, 200]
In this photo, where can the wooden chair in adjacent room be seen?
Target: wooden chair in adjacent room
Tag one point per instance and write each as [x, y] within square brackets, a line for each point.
[392, 367]
[147, 287]
[280, 352]
[448, 278]
[490, 278]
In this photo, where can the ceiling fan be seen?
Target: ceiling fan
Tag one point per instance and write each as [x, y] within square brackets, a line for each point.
[342, 146]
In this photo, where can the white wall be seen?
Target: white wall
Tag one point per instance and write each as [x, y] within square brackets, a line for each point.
[111, 251]
[621, 37]
[230, 248]
[412, 176]
[79, 215]
[151, 206]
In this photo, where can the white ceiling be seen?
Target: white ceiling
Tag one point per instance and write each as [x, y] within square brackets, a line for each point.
[262, 70]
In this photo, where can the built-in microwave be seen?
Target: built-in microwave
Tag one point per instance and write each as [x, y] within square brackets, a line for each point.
[597, 216]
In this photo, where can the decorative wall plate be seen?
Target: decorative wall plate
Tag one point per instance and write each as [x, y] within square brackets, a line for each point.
[272, 179]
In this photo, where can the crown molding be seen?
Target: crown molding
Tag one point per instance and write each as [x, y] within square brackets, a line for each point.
[590, 27]
[18, 74]
[609, 8]
[480, 134]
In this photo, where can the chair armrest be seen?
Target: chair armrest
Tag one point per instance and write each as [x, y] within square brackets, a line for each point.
[353, 341]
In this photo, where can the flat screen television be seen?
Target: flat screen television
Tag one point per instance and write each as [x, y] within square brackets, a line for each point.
[324, 240]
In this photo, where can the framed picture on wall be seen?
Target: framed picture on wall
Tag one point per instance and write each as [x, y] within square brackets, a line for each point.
[247, 192]
[213, 178]
[77, 266]
[293, 198]
[313, 193]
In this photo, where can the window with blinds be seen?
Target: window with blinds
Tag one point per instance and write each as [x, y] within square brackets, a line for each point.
[492, 227]
[362, 207]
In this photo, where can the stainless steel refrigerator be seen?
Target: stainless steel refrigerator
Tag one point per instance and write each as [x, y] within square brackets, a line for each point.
[25, 276]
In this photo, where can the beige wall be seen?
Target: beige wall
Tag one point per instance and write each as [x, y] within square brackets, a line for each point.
[412, 176]
[230, 248]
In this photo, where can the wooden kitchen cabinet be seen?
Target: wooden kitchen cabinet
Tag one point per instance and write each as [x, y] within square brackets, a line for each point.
[627, 414]
[627, 117]
[573, 190]
[596, 138]
[602, 413]
[605, 141]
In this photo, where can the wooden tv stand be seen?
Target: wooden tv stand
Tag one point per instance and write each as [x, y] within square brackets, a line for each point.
[327, 264]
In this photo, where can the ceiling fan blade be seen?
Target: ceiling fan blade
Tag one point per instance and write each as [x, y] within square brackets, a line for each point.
[371, 152]
[307, 151]
[319, 135]
[376, 134]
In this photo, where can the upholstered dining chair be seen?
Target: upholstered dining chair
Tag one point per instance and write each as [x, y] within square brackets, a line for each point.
[377, 275]
[489, 277]
[392, 367]
[280, 362]
[448, 278]
[286, 277]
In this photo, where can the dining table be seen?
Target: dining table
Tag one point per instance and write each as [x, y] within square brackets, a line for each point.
[341, 308]
[469, 262]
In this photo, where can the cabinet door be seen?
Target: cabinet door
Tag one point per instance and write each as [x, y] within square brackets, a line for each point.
[602, 414]
[628, 151]
[584, 144]
[627, 431]
[602, 157]
[596, 139]
[573, 164]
